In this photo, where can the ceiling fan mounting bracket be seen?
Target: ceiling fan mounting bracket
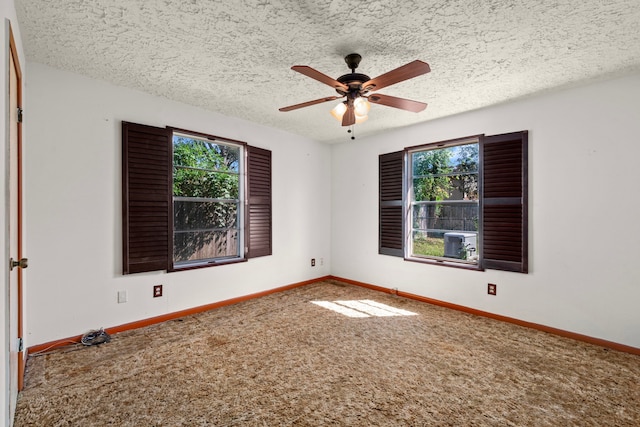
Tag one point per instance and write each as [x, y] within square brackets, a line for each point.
[353, 60]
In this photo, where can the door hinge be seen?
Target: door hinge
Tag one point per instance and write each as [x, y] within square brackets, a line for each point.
[20, 345]
[19, 115]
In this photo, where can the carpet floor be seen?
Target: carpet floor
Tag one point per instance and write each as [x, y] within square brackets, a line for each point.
[291, 359]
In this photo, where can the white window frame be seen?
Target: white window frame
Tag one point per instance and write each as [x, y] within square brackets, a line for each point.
[410, 203]
[241, 201]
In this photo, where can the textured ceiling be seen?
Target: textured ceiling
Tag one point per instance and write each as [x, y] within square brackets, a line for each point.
[234, 56]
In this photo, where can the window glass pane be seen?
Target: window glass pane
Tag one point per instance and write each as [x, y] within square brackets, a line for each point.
[201, 245]
[450, 187]
[205, 154]
[449, 173]
[195, 215]
[188, 182]
[446, 216]
[454, 245]
[444, 205]
[206, 199]
[204, 230]
[428, 243]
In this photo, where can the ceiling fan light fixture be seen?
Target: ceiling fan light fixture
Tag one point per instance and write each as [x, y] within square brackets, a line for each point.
[361, 119]
[361, 108]
[338, 111]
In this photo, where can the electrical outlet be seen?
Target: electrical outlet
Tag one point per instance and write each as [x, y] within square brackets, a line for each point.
[313, 262]
[157, 291]
[491, 289]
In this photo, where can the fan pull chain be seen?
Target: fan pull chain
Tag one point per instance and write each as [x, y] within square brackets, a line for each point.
[352, 131]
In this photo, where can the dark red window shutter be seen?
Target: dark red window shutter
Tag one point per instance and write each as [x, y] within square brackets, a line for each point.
[390, 233]
[146, 198]
[504, 202]
[258, 211]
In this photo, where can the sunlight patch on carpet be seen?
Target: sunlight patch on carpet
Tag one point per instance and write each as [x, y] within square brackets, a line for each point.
[363, 308]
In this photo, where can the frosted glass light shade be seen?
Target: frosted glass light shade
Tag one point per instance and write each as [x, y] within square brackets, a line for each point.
[360, 107]
[339, 110]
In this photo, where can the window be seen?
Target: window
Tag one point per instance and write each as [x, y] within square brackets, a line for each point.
[459, 203]
[443, 201]
[192, 200]
[207, 200]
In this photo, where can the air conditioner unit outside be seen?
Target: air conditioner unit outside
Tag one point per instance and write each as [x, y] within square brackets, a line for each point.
[456, 243]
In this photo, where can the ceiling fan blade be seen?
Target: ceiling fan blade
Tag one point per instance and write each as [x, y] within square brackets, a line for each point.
[349, 117]
[322, 78]
[406, 72]
[402, 103]
[309, 103]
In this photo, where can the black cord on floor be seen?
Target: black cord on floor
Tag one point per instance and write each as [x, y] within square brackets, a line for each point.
[95, 337]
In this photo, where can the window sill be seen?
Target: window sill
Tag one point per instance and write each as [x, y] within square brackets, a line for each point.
[205, 264]
[445, 263]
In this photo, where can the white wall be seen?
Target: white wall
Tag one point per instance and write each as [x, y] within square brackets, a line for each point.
[73, 192]
[584, 212]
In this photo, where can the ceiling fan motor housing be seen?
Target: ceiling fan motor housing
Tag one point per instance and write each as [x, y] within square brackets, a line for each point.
[354, 81]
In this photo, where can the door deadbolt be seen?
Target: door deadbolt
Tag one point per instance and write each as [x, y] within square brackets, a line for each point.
[23, 263]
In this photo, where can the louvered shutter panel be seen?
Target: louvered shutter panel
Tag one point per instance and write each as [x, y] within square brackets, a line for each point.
[390, 233]
[146, 201]
[258, 202]
[504, 202]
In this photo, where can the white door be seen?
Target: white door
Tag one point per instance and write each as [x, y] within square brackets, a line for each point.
[16, 264]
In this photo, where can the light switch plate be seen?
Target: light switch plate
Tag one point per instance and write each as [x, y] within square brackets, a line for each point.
[122, 297]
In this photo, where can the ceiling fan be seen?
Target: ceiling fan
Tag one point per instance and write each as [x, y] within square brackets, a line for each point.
[355, 87]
